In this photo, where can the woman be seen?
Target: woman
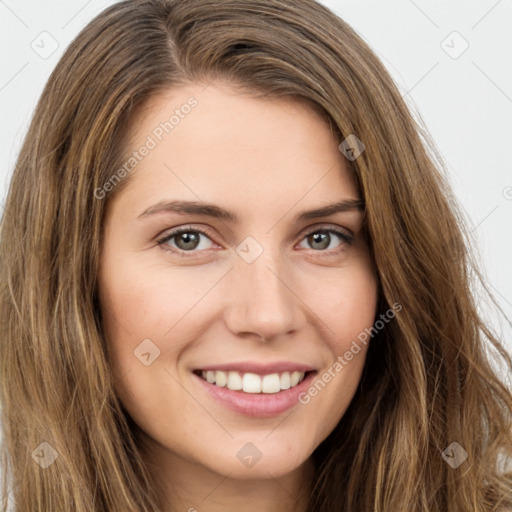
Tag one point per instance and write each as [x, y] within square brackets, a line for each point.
[174, 337]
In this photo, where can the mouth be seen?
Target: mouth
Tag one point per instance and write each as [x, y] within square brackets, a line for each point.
[248, 382]
[258, 395]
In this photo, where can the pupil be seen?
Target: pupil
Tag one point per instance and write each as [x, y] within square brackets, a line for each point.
[188, 239]
[317, 238]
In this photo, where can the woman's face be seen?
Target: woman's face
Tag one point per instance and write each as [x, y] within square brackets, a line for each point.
[266, 290]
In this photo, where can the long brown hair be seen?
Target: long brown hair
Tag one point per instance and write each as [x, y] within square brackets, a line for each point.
[429, 380]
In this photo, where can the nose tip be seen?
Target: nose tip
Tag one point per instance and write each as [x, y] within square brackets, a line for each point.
[261, 303]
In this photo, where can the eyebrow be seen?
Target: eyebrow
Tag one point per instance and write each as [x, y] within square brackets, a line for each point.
[214, 211]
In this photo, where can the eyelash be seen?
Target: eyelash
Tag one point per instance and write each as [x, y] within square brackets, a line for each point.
[345, 237]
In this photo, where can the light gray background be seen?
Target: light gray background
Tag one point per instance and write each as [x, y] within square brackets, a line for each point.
[465, 99]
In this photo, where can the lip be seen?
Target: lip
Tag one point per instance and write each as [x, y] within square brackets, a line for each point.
[260, 405]
[259, 368]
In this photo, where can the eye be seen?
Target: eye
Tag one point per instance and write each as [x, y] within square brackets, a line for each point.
[320, 238]
[187, 239]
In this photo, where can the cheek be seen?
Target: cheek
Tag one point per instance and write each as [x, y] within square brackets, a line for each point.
[140, 308]
[136, 306]
[357, 305]
[348, 307]
[346, 301]
[146, 300]
[150, 308]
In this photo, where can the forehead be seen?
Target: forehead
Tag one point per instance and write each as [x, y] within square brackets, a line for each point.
[214, 143]
[226, 110]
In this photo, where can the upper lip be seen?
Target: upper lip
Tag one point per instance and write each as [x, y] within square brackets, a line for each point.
[259, 368]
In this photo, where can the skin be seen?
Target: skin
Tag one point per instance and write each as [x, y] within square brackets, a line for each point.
[266, 161]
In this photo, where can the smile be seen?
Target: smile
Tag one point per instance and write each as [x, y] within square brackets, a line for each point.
[251, 382]
[255, 390]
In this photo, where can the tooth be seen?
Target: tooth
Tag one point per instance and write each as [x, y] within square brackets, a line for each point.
[271, 383]
[251, 383]
[220, 378]
[285, 380]
[234, 381]
[295, 378]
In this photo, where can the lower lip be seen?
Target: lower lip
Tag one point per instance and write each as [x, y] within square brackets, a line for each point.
[262, 405]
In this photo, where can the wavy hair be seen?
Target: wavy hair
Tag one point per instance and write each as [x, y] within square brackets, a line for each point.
[431, 374]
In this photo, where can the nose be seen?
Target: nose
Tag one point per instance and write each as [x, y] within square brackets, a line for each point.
[261, 302]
